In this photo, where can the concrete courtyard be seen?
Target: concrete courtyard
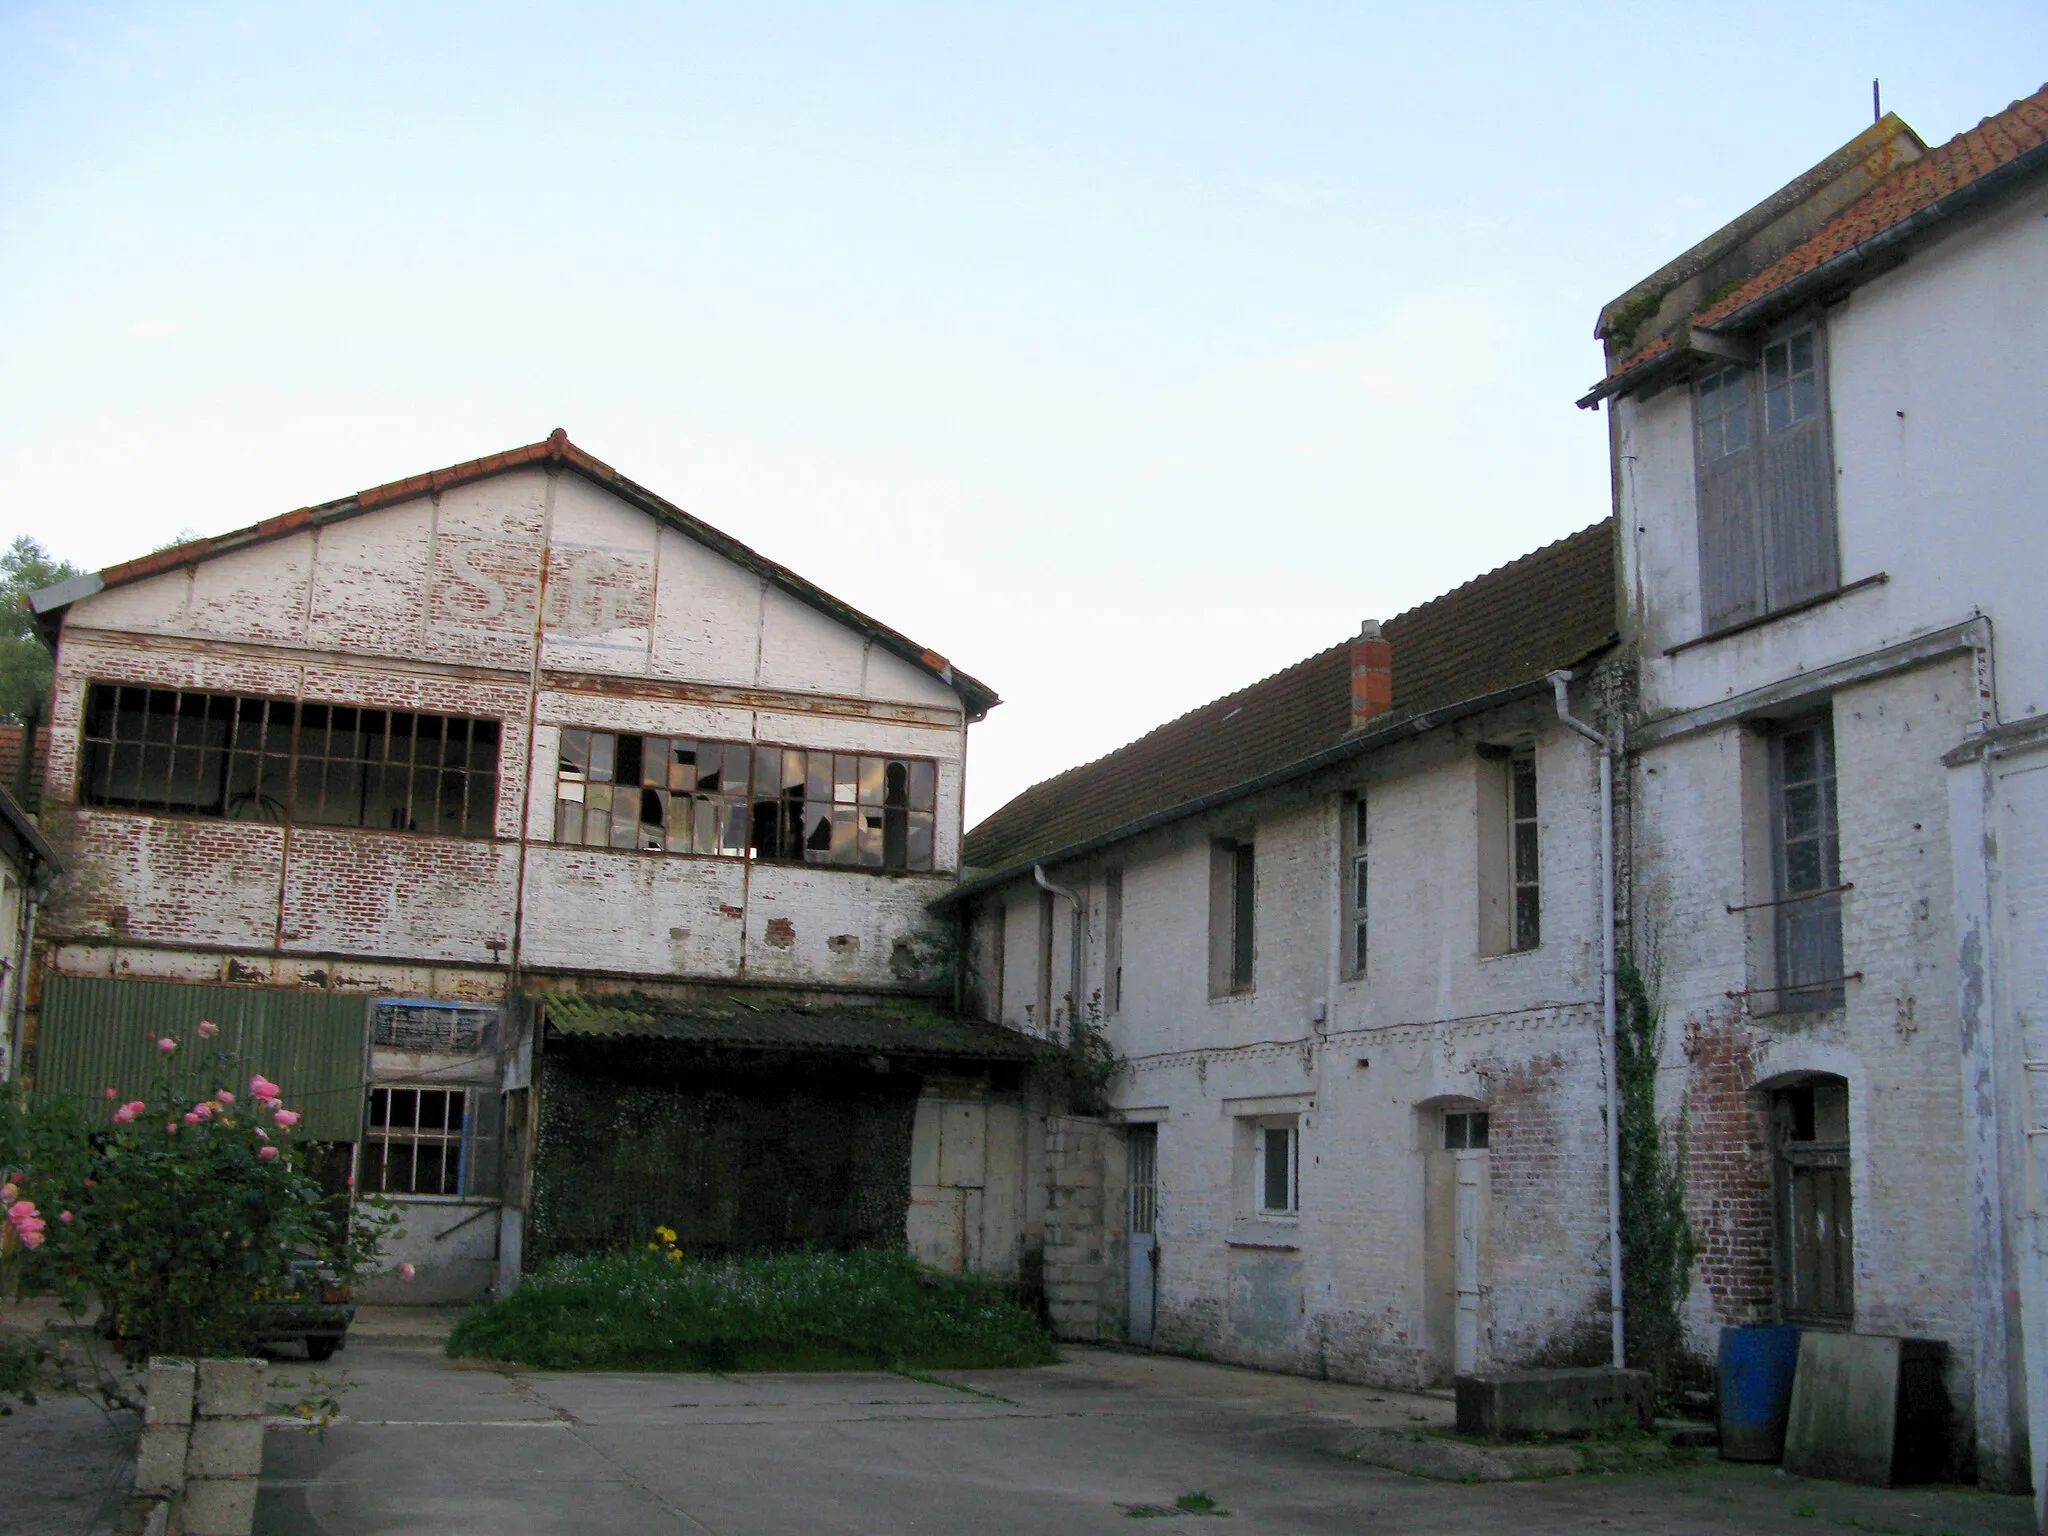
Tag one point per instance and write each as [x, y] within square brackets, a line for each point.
[1093, 1444]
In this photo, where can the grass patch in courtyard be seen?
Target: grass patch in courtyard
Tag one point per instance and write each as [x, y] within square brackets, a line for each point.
[787, 1312]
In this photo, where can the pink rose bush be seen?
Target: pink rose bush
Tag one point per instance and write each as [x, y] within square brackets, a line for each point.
[183, 1211]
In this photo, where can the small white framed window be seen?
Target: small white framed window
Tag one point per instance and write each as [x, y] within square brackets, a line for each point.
[1276, 1166]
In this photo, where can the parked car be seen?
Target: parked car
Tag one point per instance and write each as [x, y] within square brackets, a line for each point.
[316, 1311]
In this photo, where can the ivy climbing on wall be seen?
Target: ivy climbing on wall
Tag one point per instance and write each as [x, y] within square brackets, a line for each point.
[1657, 1241]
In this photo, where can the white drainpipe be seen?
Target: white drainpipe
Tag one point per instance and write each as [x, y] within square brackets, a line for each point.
[1559, 682]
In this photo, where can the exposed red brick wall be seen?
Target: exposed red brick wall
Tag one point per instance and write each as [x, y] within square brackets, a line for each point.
[1728, 1172]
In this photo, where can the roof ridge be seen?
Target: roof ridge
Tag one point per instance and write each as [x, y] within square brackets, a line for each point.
[1928, 171]
[1167, 725]
[555, 448]
[1128, 769]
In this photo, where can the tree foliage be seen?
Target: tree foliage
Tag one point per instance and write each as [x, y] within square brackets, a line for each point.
[24, 659]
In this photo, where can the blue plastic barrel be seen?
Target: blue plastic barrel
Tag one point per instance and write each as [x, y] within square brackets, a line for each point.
[1757, 1365]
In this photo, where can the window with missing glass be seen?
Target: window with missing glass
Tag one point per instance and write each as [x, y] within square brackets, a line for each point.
[413, 1142]
[726, 799]
[277, 760]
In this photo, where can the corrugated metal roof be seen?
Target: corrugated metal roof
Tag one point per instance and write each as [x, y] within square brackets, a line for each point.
[894, 1029]
[98, 1033]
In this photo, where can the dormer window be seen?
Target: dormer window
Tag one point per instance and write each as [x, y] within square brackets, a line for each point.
[1766, 483]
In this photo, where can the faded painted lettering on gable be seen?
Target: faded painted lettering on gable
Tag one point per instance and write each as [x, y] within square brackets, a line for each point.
[486, 586]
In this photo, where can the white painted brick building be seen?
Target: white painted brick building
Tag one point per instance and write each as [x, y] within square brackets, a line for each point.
[1281, 1177]
[1832, 542]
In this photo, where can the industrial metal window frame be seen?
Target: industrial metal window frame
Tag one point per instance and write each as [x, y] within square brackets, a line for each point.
[626, 790]
[244, 757]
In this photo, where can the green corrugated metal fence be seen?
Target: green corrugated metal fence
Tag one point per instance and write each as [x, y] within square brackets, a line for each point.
[98, 1033]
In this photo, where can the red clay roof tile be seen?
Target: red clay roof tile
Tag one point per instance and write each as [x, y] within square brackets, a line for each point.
[1968, 157]
[1548, 609]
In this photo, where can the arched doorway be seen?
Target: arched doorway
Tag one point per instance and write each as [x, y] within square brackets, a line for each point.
[1815, 1238]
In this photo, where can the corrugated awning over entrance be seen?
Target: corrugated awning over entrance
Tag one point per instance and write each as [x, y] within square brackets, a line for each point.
[98, 1033]
[890, 1029]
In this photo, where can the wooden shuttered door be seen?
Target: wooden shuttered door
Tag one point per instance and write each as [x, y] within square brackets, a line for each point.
[1731, 541]
[1798, 473]
[1766, 484]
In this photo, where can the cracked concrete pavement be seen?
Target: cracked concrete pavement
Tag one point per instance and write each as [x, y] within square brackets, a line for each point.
[1090, 1445]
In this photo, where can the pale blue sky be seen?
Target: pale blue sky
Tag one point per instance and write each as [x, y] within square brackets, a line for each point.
[1122, 353]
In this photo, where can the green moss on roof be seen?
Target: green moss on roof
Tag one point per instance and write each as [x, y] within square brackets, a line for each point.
[890, 1028]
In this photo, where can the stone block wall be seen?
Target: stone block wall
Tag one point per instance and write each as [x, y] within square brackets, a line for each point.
[202, 1447]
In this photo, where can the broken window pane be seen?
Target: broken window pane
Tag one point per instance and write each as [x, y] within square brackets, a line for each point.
[568, 820]
[626, 760]
[413, 1142]
[574, 755]
[759, 801]
[682, 765]
[918, 841]
[924, 780]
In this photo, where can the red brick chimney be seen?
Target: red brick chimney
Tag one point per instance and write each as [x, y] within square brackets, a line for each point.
[1372, 675]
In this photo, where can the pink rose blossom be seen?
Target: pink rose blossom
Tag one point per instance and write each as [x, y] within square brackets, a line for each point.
[203, 1110]
[170, 1127]
[351, 1181]
[65, 1217]
[263, 1087]
[191, 1118]
[27, 1224]
[112, 1094]
[266, 1152]
[286, 1119]
[208, 1029]
[167, 1044]
[129, 1111]
[406, 1271]
[225, 1097]
[8, 1191]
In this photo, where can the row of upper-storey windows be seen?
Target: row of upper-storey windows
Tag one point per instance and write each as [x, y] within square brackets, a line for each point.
[276, 760]
[734, 799]
[255, 759]
[1766, 476]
